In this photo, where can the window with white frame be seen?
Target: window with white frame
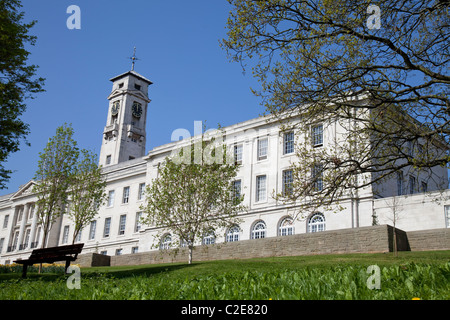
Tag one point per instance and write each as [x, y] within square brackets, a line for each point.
[237, 189]
[261, 188]
[447, 216]
[166, 242]
[92, 230]
[65, 238]
[78, 237]
[138, 224]
[288, 142]
[263, 146]
[238, 154]
[126, 194]
[118, 252]
[134, 249]
[317, 135]
[27, 238]
[233, 234]
[122, 222]
[259, 230]
[286, 227]
[2, 241]
[412, 184]
[317, 177]
[111, 198]
[107, 228]
[5, 221]
[423, 186]
[399, 183]
[287, 180]
[316, 223]
[209, 238]
[141, 192]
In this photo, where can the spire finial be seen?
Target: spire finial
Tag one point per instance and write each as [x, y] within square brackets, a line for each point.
[133, 59]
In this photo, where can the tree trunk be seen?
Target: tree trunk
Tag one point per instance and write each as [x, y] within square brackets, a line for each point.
[190, 254]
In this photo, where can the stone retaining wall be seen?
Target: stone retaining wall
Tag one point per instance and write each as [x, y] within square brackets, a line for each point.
[355, 240]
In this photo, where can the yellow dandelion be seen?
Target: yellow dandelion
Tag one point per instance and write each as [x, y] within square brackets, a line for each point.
[415, 298]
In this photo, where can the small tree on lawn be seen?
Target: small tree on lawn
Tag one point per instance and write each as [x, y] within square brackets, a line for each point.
[193, 197]
[87, 191]
[53, 177]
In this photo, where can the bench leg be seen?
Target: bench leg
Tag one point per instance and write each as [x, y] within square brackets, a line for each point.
[24, 270]
[67, 266]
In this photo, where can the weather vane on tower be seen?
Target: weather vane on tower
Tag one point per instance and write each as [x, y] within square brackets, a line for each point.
[133, 59]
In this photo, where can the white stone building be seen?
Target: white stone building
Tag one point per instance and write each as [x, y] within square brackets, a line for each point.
[265, 153]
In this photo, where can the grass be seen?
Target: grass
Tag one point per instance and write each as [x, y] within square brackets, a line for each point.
[425, 275]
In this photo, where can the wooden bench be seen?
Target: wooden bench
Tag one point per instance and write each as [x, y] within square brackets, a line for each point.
[50, 255]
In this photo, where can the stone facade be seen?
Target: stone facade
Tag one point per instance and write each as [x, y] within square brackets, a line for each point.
[118, 231]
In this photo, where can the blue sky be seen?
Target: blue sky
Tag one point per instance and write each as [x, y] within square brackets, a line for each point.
[178, 47]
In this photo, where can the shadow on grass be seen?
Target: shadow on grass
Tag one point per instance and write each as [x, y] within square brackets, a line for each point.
[133, 271]
[31, 276]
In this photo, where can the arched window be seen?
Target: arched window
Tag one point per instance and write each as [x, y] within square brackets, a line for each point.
[259, 230]
[286, 227]
[233, 234]
[316, 223]
[166, 242]
[209, 237]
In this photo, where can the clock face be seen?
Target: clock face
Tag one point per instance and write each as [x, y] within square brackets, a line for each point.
[115, 108]
[137, 110]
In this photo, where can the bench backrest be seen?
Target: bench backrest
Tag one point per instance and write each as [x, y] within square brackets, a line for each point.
[74, 249]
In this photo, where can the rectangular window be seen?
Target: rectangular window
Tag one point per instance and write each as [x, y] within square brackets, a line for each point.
[108, 159]
[123, 219]
[317, 135]
[317, 176]
[263, 145]
[31, 214]
[134, 249]
[2, 241]
[138, 225]
[399, 183]
[126, 194]
[412, 184]
[27, 238]
[260, 188]
[423, 186]
[237, 189]
[78, 238]
[288, 142]
[92, 230]
[141, 193]
[118, 252]
[107, 228]
[111, 198]
[65, 238]
[447, 216]
[5, 221]
[287, 182]
[238, 154]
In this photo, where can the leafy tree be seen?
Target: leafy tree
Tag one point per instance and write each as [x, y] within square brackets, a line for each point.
[16, 80]
[194, 194]
[87, 191]
[387, 88]
[54, 177]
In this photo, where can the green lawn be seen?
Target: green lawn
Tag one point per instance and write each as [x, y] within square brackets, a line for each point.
[424, 275]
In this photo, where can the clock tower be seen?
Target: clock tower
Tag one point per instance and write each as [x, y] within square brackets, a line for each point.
[124, 134]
